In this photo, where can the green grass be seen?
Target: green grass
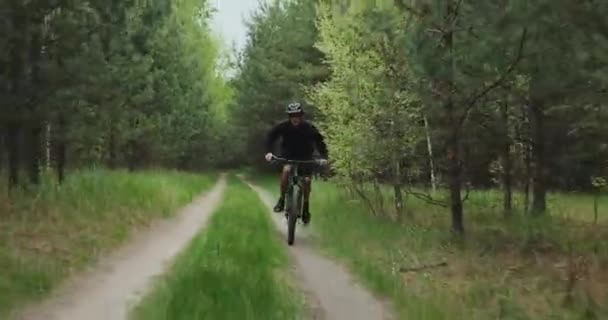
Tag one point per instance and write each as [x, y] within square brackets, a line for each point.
[568, 205]
[237, 268]
[501, 270]
[48, 233]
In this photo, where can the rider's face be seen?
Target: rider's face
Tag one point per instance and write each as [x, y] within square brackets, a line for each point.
[295, 119]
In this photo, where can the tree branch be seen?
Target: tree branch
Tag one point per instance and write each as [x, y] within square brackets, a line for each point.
[428, 198]
[434, 30]
[468, 192]
[456, 11]
[423, 267]
[483, 92]
[365, 199]
[409, 9]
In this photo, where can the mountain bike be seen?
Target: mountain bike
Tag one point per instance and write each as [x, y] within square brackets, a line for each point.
[294, 198]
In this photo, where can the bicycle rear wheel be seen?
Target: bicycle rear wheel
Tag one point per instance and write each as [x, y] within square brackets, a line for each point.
[295, 206]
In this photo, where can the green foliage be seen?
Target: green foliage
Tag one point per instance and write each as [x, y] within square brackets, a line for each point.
[455, 93]
[508, 270]
[371, 112]
[277, 64]
[125, 84]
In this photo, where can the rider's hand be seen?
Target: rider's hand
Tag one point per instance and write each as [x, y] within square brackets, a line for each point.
[269, 156]
[322, 162]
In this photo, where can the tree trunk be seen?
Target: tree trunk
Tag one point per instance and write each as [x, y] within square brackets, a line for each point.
[455, 182]
[506, 160]
[398, 194]
[538, 158]
[398, 200]
[60, 147]
[15, 79]
[112, 145]
[453, 142]
[378, 196]
[134, 154]
[182, 162]
[527, 160]
[35, 126]
[47, 146]
[2, 146]
[596, 197]
[12, 146]
[525, 137]
[429, 146]
[34, 143]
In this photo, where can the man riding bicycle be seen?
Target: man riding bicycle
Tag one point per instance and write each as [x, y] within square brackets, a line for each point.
[299, 139]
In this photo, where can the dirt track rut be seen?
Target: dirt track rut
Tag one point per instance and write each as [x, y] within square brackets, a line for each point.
[117, 282]
[332, 292]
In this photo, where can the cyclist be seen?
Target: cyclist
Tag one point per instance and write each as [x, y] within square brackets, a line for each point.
[299, 139]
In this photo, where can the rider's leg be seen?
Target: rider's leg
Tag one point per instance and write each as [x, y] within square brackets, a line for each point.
[283, 183]
[306, 191]
[284, 179]
[307, 188]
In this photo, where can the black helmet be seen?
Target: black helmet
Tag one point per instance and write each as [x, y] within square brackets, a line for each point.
[294, 108]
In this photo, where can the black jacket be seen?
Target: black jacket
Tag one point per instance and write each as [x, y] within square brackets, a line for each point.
[298, 142]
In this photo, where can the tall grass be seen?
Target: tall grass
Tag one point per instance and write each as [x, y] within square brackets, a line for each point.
[568, 205]
[49, 232]
[235, 269]
[516, 269]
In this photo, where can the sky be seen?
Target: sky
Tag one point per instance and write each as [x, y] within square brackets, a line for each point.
[228, 21]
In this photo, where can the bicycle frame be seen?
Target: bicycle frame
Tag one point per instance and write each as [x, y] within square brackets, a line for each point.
[294, 176]
[294, 188]
[293, 179]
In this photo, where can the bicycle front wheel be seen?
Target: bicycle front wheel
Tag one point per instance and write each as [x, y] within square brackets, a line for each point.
[295, 207]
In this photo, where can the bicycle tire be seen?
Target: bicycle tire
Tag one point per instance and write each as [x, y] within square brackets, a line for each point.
[295, 206]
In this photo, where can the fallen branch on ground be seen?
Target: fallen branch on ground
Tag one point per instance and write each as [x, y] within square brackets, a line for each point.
[424, 267]
[428, 198]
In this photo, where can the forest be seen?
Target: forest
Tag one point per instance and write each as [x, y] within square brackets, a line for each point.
[422, 94]
[492, 112]
[117, 84]
[428, 95]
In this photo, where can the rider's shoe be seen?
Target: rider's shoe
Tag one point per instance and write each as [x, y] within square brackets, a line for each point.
[306, 214]
[280, 205]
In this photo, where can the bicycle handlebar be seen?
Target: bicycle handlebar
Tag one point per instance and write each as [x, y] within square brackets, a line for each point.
[277, 159]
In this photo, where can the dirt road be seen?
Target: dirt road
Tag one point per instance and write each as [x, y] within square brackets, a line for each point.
[109, 289]
[333, 294]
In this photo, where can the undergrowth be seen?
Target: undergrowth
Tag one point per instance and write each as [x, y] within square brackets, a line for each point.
[552, 267]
